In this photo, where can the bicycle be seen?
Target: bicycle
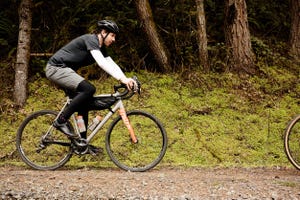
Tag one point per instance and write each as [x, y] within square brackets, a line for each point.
[135, 140]
[292, 141]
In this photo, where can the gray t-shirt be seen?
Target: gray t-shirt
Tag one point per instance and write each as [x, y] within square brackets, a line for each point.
[76, 53]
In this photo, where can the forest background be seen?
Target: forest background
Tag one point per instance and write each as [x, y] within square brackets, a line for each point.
[215, 115]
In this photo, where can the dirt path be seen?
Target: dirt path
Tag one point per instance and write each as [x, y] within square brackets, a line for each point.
[231, 183]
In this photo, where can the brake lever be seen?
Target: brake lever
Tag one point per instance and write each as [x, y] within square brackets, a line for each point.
[138, 84]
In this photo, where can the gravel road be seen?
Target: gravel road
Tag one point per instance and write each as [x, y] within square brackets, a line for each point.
[164, 183]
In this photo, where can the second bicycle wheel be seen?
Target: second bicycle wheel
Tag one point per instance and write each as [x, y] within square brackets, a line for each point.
[39, 144]
[292, 142]
[147, 152]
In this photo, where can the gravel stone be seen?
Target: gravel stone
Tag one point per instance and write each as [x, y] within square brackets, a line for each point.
[157, 184]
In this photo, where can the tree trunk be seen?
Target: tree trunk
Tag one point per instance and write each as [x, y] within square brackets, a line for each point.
[23, 52]
[202, 38]
[160, 53]
[295, 30]
[237, 37]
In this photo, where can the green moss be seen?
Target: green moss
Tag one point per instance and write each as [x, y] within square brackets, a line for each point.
[211, 119]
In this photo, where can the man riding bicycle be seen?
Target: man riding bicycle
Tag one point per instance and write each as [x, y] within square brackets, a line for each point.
[82, 51]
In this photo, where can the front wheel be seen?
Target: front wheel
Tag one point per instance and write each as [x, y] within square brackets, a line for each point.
[40, 145]
[147, 152]
[292, 142]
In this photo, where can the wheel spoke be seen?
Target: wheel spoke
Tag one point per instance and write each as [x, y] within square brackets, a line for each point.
[40, 151]
[140, 156]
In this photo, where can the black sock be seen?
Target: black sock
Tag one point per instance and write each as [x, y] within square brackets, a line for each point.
[83, 135]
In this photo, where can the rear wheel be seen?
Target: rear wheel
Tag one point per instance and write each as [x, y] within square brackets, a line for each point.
[147, 152]
[292, 141]
[40, 145]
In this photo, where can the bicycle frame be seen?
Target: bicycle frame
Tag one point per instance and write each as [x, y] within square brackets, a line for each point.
[51, 150]
[118, 105]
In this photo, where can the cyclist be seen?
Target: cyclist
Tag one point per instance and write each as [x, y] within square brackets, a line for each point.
[82, 51]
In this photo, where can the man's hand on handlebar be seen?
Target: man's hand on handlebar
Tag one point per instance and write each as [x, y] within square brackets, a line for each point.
[130, 83]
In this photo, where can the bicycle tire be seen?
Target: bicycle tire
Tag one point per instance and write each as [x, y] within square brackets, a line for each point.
[29, 139]
[141, 156]
[292, 141]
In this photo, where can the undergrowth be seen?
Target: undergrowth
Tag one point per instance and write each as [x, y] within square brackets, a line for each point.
[212, 120]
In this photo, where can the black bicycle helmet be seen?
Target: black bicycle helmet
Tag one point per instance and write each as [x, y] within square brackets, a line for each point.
[108, 25]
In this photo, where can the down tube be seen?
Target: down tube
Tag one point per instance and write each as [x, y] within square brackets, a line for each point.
[117, 106]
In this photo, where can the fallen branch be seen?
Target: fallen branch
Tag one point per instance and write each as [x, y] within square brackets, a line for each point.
[41, 54]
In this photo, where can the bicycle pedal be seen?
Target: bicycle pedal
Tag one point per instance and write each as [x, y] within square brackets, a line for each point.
[81, 152]
[94, 150]
[92, 153]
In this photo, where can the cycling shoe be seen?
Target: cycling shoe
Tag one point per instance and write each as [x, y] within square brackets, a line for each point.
[65, 129]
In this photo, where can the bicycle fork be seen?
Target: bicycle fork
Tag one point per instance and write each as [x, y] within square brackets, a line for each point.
[126, 121]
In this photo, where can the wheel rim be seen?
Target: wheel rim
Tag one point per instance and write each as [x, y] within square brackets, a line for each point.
[29, 141]
[149, 150]
[292, 142]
